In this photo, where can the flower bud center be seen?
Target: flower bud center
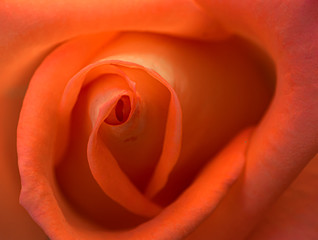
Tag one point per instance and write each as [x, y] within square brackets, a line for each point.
[120, 112]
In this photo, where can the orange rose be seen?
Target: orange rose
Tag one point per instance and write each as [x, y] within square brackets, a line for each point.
[125, 127]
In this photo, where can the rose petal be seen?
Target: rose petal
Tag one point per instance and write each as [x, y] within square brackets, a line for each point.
[31, 121]
[13, 215]
[37, 26]
[286, 139]
[294, 215]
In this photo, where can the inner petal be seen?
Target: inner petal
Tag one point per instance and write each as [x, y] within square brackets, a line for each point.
[120, 112]
[221, 86]
[108, 93]
[77, 183]
[137, 145]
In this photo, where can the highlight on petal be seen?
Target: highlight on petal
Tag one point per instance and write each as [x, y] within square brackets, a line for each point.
[171, 148]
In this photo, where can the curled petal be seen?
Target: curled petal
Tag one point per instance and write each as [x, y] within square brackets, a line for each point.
[286, 139]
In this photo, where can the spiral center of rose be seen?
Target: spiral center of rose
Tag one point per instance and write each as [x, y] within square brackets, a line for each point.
[120, 112]
[142, 119]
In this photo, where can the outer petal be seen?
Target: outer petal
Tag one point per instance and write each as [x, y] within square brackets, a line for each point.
[12, 214]
[294, 215]
[29, 29]
[286, 139]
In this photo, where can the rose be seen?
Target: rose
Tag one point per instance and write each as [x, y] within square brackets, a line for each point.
[307, 133]
[274, 168]
[93, 94]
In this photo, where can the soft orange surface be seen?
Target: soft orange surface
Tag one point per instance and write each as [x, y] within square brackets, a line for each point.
[137, 123]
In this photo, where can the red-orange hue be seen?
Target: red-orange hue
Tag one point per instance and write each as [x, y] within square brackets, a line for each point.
[98, 87]
[127, 123]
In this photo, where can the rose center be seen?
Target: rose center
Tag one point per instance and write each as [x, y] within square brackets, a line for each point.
[120, 112]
